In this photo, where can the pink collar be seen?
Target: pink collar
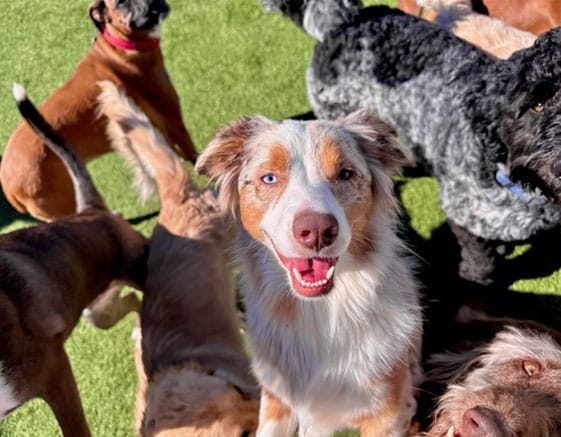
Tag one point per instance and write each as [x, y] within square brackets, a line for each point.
[144, 45]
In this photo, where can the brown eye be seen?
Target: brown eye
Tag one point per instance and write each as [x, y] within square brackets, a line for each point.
[538, 107]
[345, 174]
[531, 368]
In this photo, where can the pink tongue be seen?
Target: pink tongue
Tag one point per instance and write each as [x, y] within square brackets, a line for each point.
[312, 269]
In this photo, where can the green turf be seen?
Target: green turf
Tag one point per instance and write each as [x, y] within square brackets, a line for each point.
[227, 58]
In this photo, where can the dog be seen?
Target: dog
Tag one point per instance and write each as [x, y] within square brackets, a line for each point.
[50, 273]
[194, 376]
[126, 52]
[487, 129]
[332, 309]
[490, 34]
[534, 16]
[506, 386]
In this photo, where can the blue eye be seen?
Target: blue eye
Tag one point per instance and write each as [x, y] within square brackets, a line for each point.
[269, 178]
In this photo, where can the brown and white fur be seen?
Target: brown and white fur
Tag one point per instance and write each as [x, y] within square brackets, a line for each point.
[490, 34]
[508, 386]
[535, 16]
[48, 274]
[332, 309]
[194, 374]
[33, 179]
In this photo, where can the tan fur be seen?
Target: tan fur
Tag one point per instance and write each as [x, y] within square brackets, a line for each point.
[535, 16]
[32, 178]
[391, 413]
[272, 408]
[111, 307]
[490, 34]
[198, 380]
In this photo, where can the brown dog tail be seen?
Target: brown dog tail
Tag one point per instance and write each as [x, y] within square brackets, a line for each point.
[85, 192]
[142, 145]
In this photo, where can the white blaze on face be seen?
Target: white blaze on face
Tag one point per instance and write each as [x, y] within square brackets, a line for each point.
[305, 188]
[8, 399]
[306, 170]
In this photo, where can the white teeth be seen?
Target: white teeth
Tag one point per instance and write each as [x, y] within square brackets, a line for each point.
[297, 275]
[319, 283]
[450, 432]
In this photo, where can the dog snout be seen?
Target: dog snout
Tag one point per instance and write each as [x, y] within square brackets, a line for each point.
[315, 230]
[481, 422]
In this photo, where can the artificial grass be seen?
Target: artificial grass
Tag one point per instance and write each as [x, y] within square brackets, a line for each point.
[227, 58]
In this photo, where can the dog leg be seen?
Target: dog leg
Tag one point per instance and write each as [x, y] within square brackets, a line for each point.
[479, 257]
[110, 307]
[181, 139]
[63, 397]
[142, 380]
[275, 418]
[394, 419]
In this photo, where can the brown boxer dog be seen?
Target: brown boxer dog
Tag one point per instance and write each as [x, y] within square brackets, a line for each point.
[48, 274]
[127, 53]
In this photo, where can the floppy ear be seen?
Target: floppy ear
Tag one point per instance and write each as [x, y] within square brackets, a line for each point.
[98, 13]
[221, 161]
[378, 141]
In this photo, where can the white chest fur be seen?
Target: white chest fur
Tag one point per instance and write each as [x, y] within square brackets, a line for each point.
[323, 356]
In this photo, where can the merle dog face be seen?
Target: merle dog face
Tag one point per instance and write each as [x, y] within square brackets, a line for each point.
[531, 126]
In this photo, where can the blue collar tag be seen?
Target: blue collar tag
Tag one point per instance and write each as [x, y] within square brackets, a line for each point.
[503, 180]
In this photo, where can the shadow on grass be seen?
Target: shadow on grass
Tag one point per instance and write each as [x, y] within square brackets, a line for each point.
[9, 216]
[444, 293]
[439, 258]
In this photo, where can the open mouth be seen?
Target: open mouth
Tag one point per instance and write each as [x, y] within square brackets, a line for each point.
[310, 277]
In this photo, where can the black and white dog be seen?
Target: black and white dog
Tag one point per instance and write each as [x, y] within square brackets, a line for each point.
[489, 130]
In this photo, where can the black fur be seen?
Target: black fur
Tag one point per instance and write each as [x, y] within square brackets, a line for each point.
[466, 114]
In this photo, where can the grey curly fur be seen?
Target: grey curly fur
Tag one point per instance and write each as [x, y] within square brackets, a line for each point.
[463, 112]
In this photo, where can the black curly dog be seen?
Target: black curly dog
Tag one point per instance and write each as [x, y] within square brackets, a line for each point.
[489, 130]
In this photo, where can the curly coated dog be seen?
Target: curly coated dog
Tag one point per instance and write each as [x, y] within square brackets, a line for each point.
[508, 385]
[489, 130]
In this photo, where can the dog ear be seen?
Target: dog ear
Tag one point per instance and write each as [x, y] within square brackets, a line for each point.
[98, 13]
[378, 140]
[221, 161]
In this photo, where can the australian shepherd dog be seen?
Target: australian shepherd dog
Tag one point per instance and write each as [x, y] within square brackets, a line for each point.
[332, 307]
